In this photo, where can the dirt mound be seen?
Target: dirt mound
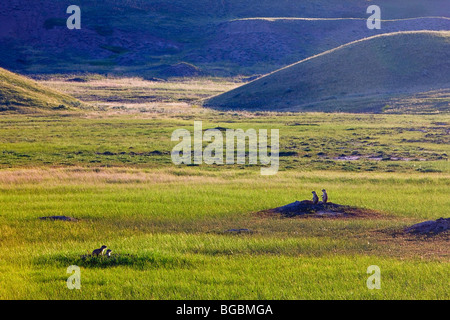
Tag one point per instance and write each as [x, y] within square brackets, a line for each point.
[430, 227]
[307, 208]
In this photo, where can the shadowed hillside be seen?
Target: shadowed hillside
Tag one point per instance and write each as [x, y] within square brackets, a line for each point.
[151, 38]
[362, 76]
[18, 93]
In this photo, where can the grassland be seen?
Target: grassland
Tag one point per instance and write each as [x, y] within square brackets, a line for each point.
[110, 168]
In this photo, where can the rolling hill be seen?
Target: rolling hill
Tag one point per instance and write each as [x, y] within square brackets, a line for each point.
[151, 38]
[370, 75]
[18, 93]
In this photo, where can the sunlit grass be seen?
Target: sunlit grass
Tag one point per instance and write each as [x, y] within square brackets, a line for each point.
[168, 232]
[168, 225]
[162, 195]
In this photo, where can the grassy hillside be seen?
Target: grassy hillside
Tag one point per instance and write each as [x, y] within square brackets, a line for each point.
[362, 76]
[23, 94]
[221, 37]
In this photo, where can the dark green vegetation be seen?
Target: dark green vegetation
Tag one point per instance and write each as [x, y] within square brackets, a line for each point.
[18, 93]
[141, 261]
[371, 75]
[221, 37]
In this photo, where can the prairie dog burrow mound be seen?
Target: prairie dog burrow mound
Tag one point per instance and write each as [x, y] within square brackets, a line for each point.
[307, 208]
[430, 227]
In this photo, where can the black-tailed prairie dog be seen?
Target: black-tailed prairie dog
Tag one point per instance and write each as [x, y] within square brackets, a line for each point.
[99, 251]
[324, 196]
[315, 198]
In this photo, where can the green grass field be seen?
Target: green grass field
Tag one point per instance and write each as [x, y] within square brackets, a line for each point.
[110, 168]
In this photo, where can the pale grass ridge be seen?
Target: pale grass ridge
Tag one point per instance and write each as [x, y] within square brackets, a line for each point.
[77, 175]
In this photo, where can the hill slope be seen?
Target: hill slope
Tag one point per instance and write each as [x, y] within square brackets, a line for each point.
[362, 76]
[23, 94]
[222, 37]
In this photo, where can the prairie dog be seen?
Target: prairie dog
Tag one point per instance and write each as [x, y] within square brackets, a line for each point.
[99, 251]
[315, 198]
[324, 196]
